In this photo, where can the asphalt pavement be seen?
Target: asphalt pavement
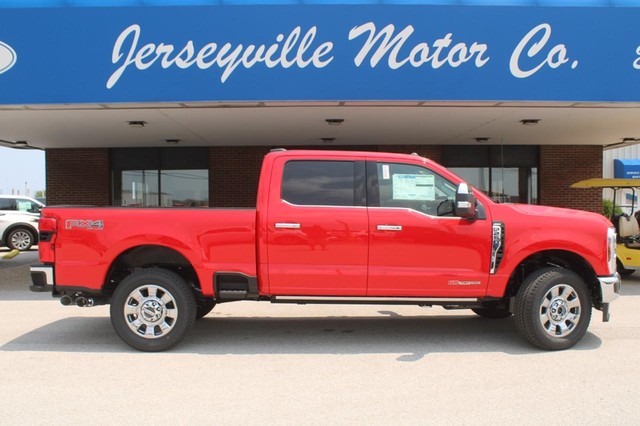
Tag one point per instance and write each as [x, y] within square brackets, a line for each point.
[23, 258]
[261, 364]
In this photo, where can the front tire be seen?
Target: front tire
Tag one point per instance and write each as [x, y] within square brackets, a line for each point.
[553, 309]
[153, 309]
[20, 239]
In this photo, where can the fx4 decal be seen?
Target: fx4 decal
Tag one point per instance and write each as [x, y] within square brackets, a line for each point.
[97, 225]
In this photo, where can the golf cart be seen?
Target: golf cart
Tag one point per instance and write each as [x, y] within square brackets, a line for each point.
[627, 228]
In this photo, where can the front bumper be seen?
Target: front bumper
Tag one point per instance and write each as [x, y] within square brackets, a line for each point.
[610, 291]
[42, 278]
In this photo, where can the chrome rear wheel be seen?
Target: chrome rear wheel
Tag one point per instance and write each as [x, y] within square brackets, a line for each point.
[153, 309]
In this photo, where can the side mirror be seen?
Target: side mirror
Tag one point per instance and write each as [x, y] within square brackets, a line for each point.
[465, 202]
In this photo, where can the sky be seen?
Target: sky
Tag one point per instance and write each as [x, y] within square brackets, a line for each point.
[20, 168]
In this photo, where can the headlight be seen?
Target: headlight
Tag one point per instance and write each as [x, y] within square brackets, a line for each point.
[611, 251]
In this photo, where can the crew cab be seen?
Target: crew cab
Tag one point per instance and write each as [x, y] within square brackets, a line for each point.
[335, 227]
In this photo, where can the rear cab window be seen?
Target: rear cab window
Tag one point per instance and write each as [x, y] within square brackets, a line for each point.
[323, 183]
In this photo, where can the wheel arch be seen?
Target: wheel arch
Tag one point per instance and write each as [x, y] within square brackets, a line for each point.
[150, 256]
[558, 258]
[21, 225]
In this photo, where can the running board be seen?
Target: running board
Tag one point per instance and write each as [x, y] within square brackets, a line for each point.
[375, 300]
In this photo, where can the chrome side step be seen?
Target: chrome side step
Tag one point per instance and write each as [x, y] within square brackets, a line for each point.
[375, 300]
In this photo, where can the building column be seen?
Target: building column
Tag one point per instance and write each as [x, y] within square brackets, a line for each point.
[234, 172]
[78, 176]
[563, 165]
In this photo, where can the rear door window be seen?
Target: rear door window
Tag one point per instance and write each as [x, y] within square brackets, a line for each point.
[7, 204]
[319, 183]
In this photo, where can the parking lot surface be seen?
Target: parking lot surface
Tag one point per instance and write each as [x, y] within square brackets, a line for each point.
[260, 364]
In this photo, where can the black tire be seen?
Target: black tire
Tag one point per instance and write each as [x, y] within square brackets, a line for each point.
[553, 309]
[153, 309]
[20, 239]
[622, 270]
[203, 307]
[492, 312]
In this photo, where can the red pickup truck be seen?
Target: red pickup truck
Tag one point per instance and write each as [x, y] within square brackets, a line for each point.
[335, 227]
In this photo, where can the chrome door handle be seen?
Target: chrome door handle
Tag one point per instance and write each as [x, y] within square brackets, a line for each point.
[389, 228]
[287, 225]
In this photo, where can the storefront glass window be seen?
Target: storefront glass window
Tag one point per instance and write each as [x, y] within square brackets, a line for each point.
[506, 173]
[184, 188]
[508, 184]
[158, 177]
[139, 188]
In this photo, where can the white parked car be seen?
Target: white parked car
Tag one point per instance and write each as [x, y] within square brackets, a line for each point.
[19, 221]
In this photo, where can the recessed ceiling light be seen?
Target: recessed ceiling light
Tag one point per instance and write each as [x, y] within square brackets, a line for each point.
[137, 123]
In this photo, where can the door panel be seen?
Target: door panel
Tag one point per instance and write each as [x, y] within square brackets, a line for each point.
[317, 229]
[417, 247]
[320, 251]
[428, 256]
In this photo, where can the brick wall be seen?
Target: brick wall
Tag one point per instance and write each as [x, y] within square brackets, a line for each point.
[78, 176]
[562, 165]
[234, 171]
[233, 175]
[82, 176]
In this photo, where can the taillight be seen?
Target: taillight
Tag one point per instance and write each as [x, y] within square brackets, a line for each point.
[48, 224]
[47, 227]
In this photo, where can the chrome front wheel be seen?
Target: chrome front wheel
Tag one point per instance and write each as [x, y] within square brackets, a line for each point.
[560, 310]
[553, 308]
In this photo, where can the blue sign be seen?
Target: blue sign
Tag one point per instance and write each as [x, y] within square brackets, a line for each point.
[626, 169]
[317, 53]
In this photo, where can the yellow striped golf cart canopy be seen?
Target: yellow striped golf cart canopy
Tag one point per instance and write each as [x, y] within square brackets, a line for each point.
[607, 183]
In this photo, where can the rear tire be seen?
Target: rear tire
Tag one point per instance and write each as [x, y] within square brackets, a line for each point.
[153, 309]
[553, 309]
[20, 239]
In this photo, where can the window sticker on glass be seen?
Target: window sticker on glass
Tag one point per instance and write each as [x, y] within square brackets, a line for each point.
[385, 172]
[24, 206]
[414, 187]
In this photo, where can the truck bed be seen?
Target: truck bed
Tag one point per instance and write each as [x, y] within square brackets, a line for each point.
[210, 239]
